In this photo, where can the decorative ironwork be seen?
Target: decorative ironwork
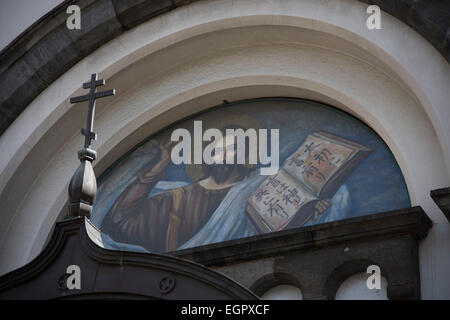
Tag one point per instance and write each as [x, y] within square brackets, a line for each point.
[83, 186]
[166, 284]
[91, 97]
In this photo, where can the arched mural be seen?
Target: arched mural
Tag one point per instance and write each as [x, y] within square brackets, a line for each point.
[243, 169]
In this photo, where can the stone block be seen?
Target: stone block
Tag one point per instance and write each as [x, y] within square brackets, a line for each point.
[431, 20]
[397, 8]
[133, 12]
[52, 56]
[18, 87]
[99, 24]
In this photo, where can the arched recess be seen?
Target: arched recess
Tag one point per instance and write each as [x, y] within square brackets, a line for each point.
[346, 270]
[194, 57]
[283, 292]
[272, 280]
[355, 288]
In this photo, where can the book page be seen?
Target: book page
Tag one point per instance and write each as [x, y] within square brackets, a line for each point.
[315, 162]
[278, 199]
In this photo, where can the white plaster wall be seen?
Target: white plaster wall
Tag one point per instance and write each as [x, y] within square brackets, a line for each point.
[192, 58]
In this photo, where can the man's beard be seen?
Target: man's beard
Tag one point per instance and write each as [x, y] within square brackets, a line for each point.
[221, 172]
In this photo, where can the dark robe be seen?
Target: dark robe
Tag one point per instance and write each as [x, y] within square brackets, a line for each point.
[162, 222]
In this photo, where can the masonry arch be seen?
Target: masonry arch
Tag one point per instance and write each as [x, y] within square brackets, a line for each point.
[193, 58]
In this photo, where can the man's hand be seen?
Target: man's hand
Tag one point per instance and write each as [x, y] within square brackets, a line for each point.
[166, 149]
[150, 150]
[163, 149]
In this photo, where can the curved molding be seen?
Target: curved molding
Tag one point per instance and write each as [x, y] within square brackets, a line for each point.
[317, 259]
[346, 270]
[140, 274]
[412, 221]
[47, 49]
[164, 75]
[442, 198]
[268, 281]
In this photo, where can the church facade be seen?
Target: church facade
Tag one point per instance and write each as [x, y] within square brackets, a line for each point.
[252, 149]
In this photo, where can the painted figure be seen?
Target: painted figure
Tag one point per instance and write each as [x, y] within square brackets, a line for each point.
[332, 167]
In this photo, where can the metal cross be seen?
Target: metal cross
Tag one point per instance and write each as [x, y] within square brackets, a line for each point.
[91, 96]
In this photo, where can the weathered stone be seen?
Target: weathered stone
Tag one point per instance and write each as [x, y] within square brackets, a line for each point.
[431, 20]
[98, 25]
[446, 49]
[112, 274]
[319, 258]
[442, 198]
[52, 56]
[18, 87]
[51, 50]
[58, 51]
[133, 12]
[397, 8]
[180, 3]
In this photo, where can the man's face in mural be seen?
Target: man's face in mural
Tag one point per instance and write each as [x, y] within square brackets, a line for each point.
[221, 172]
[149, 202]
[226, 173]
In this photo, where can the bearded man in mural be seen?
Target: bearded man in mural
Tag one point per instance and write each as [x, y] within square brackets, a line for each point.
[172, 220]
[332, 167]
[167, 220]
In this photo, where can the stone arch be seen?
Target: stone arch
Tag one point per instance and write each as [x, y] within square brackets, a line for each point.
[268, 281]
[117, 17]
[355, 287]
[346, 270]
[44, 136]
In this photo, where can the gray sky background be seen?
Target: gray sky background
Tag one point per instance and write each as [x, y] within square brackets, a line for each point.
[17, 15]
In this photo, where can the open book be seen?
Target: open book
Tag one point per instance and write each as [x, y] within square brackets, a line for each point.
[314, 172]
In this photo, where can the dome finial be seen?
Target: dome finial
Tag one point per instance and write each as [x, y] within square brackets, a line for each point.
[83, 186]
